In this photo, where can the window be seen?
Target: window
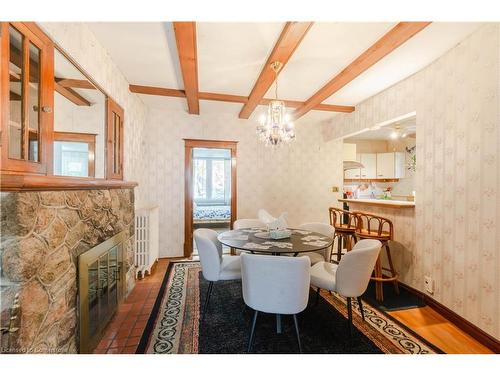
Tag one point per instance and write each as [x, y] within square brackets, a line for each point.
[211, 176]
[74, 154]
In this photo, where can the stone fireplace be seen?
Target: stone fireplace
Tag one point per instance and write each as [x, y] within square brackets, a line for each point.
[42, 236]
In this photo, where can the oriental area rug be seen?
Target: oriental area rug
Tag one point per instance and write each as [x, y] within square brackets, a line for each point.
[174, 326]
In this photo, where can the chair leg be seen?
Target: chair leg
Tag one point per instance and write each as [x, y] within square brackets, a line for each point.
[339, 248]
[317, 296]
[379, 290]
[252, 332]
[349, 314]
[354, 239]
[297, 332]
[207, 299]
[348, 243]
[360, 304]
[391, 266]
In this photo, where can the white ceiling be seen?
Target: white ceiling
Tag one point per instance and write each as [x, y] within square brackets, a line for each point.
[231, 56]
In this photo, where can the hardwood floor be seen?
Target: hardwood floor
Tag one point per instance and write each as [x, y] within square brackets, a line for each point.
[124, 331]
[439, 331]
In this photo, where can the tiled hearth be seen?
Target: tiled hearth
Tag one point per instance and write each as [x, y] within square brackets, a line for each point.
[125, 330]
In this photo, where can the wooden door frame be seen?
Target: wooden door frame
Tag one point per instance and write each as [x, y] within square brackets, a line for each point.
[189, 144]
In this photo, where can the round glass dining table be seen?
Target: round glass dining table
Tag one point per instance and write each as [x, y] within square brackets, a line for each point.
[257, 240]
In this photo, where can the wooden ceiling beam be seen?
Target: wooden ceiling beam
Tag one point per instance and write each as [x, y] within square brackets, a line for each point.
[185, 36]
[75, 83]
[293, 33]
[160, 91]
[398, 35]
[71, 95]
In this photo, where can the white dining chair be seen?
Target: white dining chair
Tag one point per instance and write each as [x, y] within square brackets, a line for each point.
[248, 223]
[350, 277]
[275, 285]
[265, 216]
[214, 265]
[326, 230]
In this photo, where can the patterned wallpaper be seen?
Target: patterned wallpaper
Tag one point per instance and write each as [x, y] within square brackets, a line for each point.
[295, 179]
[457, 214]
[458, 173]
[82, 45]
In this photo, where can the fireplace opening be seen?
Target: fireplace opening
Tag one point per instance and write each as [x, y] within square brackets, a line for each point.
[101, 281]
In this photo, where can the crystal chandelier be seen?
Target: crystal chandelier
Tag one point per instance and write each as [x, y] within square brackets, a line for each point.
[275, 128]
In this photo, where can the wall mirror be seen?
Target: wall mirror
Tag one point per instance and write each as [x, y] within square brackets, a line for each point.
[79, 122]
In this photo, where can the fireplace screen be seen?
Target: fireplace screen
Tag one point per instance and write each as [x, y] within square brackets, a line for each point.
[101, 288]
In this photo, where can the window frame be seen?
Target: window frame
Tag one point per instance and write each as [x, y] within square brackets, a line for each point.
[88, 138]
[209, 181]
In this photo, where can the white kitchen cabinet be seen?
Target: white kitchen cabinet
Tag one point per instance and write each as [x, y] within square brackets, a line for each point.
[369, 162]
[399, 165]
[385, 165]
[390, 165]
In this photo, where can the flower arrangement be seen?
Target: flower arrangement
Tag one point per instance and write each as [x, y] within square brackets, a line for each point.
[411, 164]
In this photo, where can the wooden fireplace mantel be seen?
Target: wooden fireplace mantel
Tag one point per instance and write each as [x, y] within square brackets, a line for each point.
[25, 182]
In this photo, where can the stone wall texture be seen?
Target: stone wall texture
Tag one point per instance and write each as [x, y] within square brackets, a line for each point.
[42, 235]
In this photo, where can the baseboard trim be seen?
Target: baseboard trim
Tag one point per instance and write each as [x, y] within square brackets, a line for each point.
[477, 333]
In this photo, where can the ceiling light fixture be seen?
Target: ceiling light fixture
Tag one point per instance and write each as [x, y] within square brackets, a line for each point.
[396, 132]
[275, 128]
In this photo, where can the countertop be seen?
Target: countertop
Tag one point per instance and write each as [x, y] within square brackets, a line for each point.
[381, 202]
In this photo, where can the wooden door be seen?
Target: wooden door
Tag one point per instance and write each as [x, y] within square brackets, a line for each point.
[189, 145]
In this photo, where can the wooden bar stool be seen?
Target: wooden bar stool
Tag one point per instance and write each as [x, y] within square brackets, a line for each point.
[378, 228]
[345, 224]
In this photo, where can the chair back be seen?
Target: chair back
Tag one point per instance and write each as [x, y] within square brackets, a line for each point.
[374, 225]
[210, 252]
[342, 219]
[273, 284]
[248, 223]
[355, 268]
[322, 228]
[265, 216]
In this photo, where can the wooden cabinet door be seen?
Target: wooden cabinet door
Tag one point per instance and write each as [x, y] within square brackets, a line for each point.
[385, 165]
[26, 98]
[114, 141]
[369, 162]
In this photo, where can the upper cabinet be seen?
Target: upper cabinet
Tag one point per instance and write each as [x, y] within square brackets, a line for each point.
[381, 166]
[55, 120]
[26, 87]
[390, 165]
[369, 162]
